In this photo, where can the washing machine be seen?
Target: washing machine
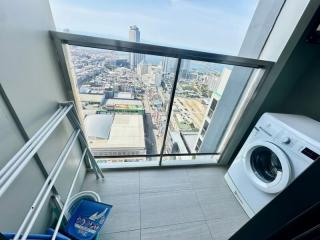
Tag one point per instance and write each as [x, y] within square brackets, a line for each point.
[279, 148]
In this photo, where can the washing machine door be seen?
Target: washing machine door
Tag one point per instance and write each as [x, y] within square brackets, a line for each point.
[267, 166]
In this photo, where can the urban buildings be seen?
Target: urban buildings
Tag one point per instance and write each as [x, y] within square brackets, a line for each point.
[134, 36]
[113, 93]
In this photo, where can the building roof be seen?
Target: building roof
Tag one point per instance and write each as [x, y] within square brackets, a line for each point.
[190, 139]
[97, 98]
[84, 89]
[176, 138]
[98, 125]
[123, 95]
[113, 101]
[127, 131]
[125, 104]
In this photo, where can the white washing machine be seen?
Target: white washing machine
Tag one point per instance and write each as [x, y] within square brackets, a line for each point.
[279, 148]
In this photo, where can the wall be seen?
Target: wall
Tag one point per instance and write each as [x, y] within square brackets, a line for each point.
[298, 90]
[305, 96]
[32, 80]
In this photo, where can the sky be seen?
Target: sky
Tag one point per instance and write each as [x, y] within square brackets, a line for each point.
[217, 26]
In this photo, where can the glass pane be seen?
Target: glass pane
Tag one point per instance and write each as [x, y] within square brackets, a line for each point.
[123, 99]
[216, 26]
[265, 164]
[200, 87]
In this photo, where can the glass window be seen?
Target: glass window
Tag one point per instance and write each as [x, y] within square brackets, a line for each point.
[199, 88]
[123, 99]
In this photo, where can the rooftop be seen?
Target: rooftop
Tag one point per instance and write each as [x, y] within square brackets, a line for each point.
[124, 105]
[93, 98]
[123, 95]
[127, 131]
[114, 101]
[190, 139]
[98, 126]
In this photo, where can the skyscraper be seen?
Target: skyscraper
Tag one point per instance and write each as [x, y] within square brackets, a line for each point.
[165, 65]
[134, 36]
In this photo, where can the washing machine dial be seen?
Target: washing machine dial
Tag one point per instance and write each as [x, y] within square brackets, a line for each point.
[285, 140]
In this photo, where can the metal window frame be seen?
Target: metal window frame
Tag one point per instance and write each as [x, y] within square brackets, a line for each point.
[60, 38]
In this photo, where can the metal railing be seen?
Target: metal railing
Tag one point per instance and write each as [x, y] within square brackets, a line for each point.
[61, 38]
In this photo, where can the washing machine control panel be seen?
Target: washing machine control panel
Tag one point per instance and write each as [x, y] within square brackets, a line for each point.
[291, 143]
[288, 141]
[310, 153]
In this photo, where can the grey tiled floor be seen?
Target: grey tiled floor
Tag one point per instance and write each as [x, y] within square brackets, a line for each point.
[168, 203]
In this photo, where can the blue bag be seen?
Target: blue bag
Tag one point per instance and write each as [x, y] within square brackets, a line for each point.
[87, 219]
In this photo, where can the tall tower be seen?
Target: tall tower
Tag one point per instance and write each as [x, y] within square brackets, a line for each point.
[134, 36]
[165, 65]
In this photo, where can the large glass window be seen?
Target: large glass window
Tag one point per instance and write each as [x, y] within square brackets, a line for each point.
[142, 105]
[200, 87]
[124, 100]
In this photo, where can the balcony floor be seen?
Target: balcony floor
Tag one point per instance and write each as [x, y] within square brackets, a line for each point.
[168, 203]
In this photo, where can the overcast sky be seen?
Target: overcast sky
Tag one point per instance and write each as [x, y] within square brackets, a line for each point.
[208, 25]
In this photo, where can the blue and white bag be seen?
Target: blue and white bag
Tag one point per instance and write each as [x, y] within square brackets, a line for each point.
[87, 219]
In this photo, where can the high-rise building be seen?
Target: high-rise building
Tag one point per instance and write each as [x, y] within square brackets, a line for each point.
[134, 36]
[213, 81]
[218, 88]
[142, 68]
[165, 65]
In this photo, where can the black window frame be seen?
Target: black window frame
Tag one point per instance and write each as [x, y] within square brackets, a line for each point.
[61, 38]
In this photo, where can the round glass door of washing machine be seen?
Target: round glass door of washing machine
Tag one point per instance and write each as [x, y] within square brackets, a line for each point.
[267, 166]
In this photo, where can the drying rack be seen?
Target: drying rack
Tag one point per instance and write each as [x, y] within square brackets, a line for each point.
[28, 151]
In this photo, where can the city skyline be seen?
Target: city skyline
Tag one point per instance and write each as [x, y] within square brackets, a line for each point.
[213, 26]
[117, 90]
[113, 95]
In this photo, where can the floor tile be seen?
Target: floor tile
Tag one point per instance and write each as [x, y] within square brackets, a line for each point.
[224, 228]
[159, 209]
[206, 177]
[185, 203]
[125, 213]
[114, 182]
[164, 180]
[185, 231]
[219, 203]
[130, 235]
